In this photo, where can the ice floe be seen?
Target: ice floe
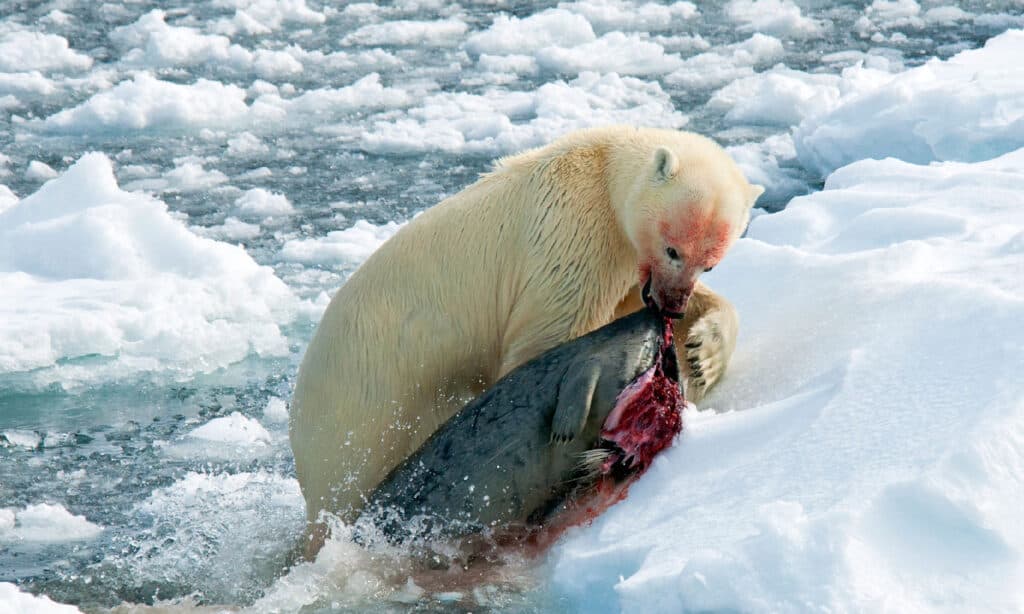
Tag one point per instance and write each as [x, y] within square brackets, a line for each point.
[109, 278]
[44, 523]
[970, 107]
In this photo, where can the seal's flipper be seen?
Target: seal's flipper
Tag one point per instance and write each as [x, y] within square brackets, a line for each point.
[575, 394]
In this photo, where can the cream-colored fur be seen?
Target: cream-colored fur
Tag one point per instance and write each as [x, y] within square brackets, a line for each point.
[543, 249]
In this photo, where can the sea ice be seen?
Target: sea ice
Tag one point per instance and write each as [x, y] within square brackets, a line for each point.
[26, 51]
[262, 203]
[92, 272]
[44, 523]
[347, 247]
[14, 601]
[969, 108]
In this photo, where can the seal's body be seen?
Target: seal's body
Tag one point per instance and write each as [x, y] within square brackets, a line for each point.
[540, 437]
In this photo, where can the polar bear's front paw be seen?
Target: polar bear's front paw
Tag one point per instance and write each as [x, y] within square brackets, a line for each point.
[706, 352]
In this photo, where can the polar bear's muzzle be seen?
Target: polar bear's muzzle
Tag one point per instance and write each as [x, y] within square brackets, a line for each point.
[676, 308]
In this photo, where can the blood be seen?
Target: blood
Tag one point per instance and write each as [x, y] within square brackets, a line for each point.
[646, 419]
[647, 415]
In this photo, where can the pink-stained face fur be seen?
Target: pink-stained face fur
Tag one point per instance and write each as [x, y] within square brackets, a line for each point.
[691, 221]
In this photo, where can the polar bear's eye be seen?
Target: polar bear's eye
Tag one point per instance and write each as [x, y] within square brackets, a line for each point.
[672, 253]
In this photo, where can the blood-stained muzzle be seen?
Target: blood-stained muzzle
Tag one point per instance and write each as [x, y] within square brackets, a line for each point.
[671, 302]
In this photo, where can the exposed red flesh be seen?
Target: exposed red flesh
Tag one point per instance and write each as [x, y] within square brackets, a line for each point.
[646, 419]
[647, 416]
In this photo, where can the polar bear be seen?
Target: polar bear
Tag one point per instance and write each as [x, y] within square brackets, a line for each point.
[552, 244]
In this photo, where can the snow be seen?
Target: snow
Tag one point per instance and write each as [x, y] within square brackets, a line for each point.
[92, 271]
[44, 523]
[14, 601]
[881, 465]
[969, 108]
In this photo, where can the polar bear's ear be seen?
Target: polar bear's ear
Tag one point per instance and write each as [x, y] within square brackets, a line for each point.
[666, 165]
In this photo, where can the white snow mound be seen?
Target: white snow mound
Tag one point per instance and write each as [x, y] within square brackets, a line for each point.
[869, 443]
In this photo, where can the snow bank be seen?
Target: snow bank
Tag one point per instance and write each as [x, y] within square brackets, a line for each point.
[868, 452]
[500, 121]
[14, 601]
[101, 284]
[968, 108]
[44, 523]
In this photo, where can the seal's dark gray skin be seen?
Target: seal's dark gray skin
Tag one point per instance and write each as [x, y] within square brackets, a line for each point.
[514, 454]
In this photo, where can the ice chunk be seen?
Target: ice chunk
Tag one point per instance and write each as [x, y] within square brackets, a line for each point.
[146, 102]
[25, 51]
[346, 247]
[970, 107]
[233, 429]
[45, 523]
[726, 63]
[262, 203]
[483, 123]
[440, 33]
[777, 17]
[511, 35]
[608, 15]
[14, 601]
[39, 171]
[276, 410]
[92, 272]
[614, 52]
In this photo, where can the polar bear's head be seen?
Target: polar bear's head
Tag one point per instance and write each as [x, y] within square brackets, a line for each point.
[688, 204]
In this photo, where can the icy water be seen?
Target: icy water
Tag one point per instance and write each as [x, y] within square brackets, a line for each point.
[355, 114]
